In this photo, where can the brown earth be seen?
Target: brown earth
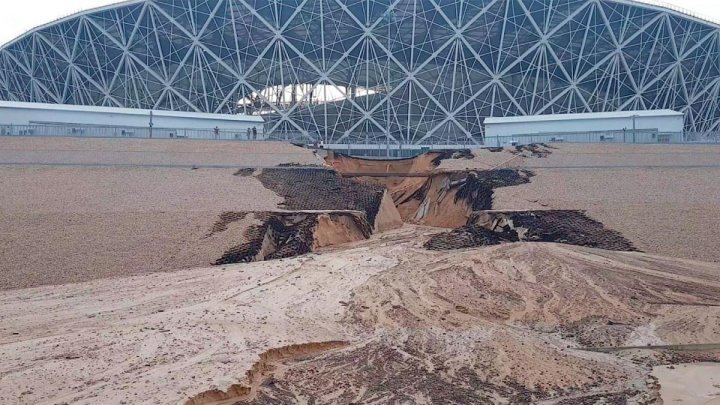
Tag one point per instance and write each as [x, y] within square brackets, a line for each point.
[86, 223]
[502, 324]
[164, 152]
[660, 197]
[382, 320]
[426, 196]
[663, 198]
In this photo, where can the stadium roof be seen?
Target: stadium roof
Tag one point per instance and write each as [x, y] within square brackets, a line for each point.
[403, 71]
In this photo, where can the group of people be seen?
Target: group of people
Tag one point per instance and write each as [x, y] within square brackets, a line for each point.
[251, 133]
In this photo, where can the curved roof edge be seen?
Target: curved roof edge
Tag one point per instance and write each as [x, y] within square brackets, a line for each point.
[651, 4]
[70, 17]
[671, 8]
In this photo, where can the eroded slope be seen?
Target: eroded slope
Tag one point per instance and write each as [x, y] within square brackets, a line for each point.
[498, 324]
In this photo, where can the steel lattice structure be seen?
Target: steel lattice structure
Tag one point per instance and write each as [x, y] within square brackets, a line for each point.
[350, 71]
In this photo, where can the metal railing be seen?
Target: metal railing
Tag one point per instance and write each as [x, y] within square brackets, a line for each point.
[628, 136]
[371, 146]
[100, 131]
[702, 137]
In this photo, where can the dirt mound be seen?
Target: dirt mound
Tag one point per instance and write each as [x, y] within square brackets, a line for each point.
[559, 226]
[547, 287]
[280, 235]
[429, 367]
[503, 325]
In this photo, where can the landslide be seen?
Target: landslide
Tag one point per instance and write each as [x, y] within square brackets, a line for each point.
[319, 209]
[280, 235]
[426, 196]
[506, 324]
[560, 226]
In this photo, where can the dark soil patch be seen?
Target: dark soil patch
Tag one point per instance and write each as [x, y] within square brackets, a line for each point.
[477, 189]
[297, 165]
[568, 227]
[321, 189]
[247, 172]
[616, 398]
[225, 219]
[538, 150]
[280, 235]
[452, 154]
[466, 237]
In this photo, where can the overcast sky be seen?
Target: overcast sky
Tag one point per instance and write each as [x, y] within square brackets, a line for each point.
[19, 16]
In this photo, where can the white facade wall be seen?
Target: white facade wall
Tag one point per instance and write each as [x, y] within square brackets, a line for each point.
[24, 114]
[650, 127]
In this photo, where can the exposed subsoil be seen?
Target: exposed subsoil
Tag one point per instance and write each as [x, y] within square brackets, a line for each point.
[262, 373]
[455, 199]
[446, 199]
[280, 235]
[323, 209]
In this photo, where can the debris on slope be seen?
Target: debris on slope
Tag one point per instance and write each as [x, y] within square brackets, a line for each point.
[430, 367]
[447, 199]
[452, 154]
[477, 188]
[537, 150]
[322, 189]
[465, 237]
[559, 226]
[282, 235]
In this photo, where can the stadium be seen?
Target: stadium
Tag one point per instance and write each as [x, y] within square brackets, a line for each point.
[405, 72]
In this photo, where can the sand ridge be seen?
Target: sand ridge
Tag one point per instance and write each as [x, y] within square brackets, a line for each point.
[168, 337]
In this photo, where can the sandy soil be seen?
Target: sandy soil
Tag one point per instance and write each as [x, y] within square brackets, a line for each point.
[667, 209]
[570, 155]
[507, 320]
[513, 323]
[691, 384]
[75, 224]
[151, 152]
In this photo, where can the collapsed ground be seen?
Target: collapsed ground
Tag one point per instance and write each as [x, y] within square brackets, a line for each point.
[373, 282]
